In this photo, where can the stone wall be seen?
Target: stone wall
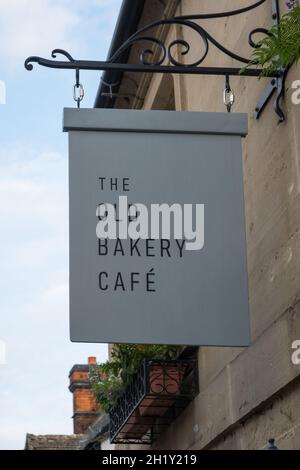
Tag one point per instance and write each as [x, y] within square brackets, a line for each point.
[247, 395]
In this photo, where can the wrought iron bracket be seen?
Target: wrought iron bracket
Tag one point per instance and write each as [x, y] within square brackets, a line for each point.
[165, 60]
[277, 84]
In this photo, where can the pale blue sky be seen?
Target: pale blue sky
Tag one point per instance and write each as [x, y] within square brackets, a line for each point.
[34, 323]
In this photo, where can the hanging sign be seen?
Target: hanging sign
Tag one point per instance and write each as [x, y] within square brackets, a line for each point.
[157, 229]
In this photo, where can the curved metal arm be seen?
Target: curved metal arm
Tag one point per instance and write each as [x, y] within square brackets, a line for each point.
[50, 63]
[223, 14]
[186, 21]
[62, 52]
[167, 51]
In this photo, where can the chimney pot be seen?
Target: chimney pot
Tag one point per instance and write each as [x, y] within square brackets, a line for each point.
[92, 360]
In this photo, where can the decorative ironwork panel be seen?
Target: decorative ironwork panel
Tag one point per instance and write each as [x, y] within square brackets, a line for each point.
[156, 396]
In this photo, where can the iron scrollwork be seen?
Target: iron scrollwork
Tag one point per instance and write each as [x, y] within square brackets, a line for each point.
[160, 57]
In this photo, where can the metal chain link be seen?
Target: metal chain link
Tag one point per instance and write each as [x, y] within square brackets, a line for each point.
[228, 95]
[78, 93]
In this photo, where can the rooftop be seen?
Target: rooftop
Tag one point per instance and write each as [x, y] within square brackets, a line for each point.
[52, 442]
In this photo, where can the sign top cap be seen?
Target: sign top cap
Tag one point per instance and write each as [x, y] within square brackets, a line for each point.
[170, 122]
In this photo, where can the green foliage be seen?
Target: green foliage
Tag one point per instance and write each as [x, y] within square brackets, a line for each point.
[281, 47]
[109, 380]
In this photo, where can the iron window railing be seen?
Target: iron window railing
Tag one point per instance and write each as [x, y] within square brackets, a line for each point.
[155, 398]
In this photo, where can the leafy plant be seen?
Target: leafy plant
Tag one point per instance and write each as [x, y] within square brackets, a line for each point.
[281, 47]
[109, 380]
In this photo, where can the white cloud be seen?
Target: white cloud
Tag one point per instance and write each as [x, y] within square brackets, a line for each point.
[34, 25]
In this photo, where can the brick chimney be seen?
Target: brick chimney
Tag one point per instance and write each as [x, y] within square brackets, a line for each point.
[85, 408]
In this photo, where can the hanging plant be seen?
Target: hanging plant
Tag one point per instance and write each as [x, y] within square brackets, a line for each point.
[109, 380]
[281, 47]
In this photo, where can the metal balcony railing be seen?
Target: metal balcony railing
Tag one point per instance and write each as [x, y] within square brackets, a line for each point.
[155, 398]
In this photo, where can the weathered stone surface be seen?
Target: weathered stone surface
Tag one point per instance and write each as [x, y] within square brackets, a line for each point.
[244, 386]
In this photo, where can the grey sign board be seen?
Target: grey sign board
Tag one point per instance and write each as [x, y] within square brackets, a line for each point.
[156, 290]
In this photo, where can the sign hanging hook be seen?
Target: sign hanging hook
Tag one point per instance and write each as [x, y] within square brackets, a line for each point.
[228, 95]
[78, 94]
